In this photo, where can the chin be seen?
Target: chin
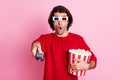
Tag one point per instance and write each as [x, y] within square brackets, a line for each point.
[59, 33]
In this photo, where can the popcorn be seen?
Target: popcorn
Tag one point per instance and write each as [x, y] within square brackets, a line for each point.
[78, 54]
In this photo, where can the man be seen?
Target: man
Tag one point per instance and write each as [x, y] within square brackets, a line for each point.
[55, 46]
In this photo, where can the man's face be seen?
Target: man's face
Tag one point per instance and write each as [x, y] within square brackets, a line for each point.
[60, 23]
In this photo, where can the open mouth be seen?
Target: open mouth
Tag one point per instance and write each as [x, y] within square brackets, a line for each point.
[60, 28]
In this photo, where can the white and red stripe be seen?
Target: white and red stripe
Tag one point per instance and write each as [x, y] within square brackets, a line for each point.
[82, 55]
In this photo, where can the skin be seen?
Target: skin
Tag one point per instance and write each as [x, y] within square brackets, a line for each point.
[60, 26]
[61, 31]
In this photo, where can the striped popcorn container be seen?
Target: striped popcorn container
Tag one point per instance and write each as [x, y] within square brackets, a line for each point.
[78, 54]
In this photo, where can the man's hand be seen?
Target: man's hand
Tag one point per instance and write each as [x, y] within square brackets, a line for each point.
[79, 65]
[36, 46]
[82, 65]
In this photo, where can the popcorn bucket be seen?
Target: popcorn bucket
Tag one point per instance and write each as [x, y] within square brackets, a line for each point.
[78, 54]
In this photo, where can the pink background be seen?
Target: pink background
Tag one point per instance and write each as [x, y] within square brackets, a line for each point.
[22, 21]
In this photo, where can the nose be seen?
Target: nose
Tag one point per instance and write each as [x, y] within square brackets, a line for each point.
[59, 22]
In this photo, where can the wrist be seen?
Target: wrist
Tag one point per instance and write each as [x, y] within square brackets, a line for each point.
[88, 66]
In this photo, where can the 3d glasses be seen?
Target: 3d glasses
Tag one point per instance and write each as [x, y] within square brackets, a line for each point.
[58, 18]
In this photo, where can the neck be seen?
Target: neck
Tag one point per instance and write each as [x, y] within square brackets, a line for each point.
[62, 35]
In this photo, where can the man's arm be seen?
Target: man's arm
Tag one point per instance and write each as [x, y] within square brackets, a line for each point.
[91, 65]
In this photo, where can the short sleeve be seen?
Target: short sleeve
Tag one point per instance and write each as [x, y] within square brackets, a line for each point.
[86, 47]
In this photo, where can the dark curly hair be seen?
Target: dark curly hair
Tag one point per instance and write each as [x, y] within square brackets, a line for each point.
[60, 9]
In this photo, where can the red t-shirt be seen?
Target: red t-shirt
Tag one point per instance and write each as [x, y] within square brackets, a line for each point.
[56, 54]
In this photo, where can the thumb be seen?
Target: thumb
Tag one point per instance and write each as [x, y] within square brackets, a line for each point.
[39, 49]
[34, 51]
[77, 60]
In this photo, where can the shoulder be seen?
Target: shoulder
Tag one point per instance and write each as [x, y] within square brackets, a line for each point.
[45, 37]
[76, 36]
[49, 35]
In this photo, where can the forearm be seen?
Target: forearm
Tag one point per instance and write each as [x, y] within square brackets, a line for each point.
[91, 65]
